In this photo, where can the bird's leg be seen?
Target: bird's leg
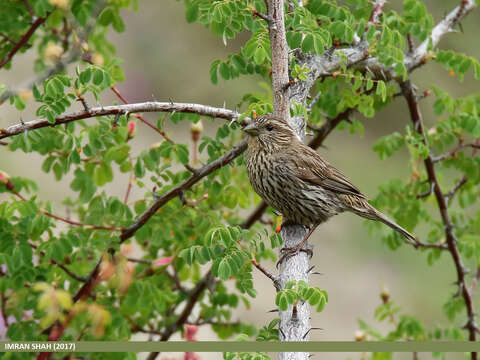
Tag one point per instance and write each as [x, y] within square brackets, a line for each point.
[288, 252]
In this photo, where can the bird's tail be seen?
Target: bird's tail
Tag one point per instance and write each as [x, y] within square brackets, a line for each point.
[369, 212]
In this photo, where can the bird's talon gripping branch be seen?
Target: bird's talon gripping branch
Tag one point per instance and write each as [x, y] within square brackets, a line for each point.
[289, 252]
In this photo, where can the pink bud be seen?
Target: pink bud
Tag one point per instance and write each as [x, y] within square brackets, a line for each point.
[163, 261]
[4, 177]
[131, 127]
[190, 331]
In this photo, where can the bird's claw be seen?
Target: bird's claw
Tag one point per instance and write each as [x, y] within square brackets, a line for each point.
[291, 251]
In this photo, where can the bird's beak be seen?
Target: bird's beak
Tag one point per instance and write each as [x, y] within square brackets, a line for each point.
[251, 129]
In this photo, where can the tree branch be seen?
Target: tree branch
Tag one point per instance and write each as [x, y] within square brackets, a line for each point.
[35, 25]
[200, 174]
[452, 153]
[73, 55]
[60, 265]
[187, 310]
[443, 27]
[376, 12]
[122, 109]
[295, 321]
[416, 117]
[93, 279]
[140, 117]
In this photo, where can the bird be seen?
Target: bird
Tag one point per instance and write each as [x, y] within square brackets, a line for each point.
[299, 183]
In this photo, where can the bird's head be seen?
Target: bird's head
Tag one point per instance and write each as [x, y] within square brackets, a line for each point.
[269, 133]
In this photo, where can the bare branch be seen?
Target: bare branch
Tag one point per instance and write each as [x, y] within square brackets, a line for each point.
[294, 322]
[121, 109]
[279, 49]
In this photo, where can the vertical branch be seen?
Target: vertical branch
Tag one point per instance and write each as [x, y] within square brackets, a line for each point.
[294, 323]
[452, 241]
[279, 49]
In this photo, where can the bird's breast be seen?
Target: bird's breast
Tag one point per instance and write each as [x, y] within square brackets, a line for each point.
[297, 200]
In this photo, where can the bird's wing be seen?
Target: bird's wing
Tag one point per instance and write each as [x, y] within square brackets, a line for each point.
[309, 166]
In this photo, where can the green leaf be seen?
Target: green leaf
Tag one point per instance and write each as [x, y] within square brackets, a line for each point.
[308, 44]
[182, 153]
[192, 13]
[224, 269]
[281, 300]
[260, 55]
[225, 71]
[85, 76]
[98, 77]
[381, 90]
[139, 169]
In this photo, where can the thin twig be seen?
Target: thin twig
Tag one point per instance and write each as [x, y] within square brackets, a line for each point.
[61, 266]
[129, 188]
[454, 151]
[262, 16]
[11, 187]
[450, 195]
[29, 8]
[264, 271]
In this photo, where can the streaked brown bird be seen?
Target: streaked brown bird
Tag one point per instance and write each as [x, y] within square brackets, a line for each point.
[298, 182]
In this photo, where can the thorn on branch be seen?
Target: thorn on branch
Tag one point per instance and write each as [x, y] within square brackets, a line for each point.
[308, 332]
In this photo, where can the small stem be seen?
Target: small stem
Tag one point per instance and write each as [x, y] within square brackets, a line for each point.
[140, 117]
[70, 222]
[265, 271]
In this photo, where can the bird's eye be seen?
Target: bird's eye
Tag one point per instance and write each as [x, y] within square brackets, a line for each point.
[269, 127]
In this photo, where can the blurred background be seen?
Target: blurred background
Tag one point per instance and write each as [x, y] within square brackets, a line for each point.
[166, 58]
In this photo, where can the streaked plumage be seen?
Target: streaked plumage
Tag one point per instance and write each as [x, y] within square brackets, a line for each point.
[298, 182]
